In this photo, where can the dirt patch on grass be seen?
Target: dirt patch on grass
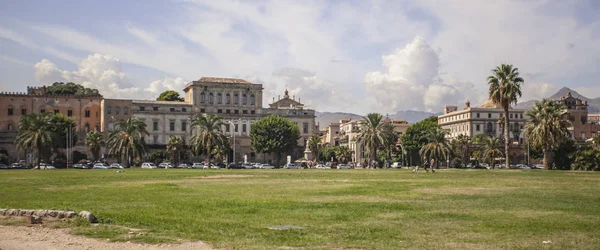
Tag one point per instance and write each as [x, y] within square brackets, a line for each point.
[466, 190]
[353, 198]
[226, 176]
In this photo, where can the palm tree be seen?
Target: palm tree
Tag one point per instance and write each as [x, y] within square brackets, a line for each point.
[375, 133]
[127, 139]
[343, 154]
[35, 134]
[504, 90]
[462, 143]
[207, 133]
[437, 146]
[221, 151]
[314, 145]
[546, 127]
[491, 149]
[174, 147]
[94, 143]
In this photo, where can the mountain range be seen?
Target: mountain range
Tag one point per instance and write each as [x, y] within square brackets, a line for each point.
[593, 104]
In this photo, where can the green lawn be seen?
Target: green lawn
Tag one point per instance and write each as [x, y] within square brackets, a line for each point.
[365, 209]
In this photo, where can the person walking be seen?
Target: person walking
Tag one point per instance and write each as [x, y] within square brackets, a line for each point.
[431, 165]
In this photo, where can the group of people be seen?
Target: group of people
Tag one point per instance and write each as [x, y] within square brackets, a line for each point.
[426, 165]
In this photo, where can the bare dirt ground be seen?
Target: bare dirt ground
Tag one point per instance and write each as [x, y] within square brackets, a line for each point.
[41, 238]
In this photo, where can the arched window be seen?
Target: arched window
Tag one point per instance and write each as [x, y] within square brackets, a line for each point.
[202, 97]
[97, 128]
[210, 98]
[87, 127]
[117, 110]
[10, 127]
[111, 126]
[244, 99]
[108, 109]
[235, 99]
[219, 98]
[125, 110]
[252, 99]
[227, 98]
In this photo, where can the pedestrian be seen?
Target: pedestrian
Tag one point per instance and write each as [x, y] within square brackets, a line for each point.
[432, 166]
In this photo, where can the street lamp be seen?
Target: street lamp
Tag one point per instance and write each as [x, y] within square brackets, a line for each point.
[233, 132]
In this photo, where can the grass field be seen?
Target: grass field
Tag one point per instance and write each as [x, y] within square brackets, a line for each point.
[364, 209]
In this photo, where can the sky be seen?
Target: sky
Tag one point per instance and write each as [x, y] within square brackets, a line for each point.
[356, 56]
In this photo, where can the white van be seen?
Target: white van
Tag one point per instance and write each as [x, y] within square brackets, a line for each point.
[148, 165]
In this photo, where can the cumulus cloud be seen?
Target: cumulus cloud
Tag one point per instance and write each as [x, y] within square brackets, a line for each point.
[105, 73]
[537, 90]
[412, 80]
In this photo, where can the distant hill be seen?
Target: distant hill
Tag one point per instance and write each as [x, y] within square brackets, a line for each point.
[593, 104]
[412, 116]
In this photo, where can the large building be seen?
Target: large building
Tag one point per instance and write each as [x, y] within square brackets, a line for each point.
[583, 125]
[237, 101]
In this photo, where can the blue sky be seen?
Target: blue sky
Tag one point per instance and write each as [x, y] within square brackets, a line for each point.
[351, 56]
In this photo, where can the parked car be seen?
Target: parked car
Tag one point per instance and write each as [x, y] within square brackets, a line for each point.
[291, 166]
[321, 166]
[248, 166]
[117, 165]
[183, 165]
[485, 165]
[235, 166]
[44, 166]
[101, 166]
[537, 166]
[477, 166]
[342, 166]
[396, 165]
[2, 166]
[80, 166]
[266, 166]
[523, 166]
[198, 165]
[165, 165]
[148, 165]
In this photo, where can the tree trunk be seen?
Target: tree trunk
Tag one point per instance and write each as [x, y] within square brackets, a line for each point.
[373, 156]
[547, 156]
[506, 137]
[39, 157]
[208, 155]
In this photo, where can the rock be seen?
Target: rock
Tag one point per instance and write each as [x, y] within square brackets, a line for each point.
[13, 212]
[29, 212]
[61, 214]
[2, 211]
[52, 213]
[32, 219]
[88, 216]
[40, 213]
[70, 214]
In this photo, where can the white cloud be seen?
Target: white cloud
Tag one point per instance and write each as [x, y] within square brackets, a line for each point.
[537, 90]
[104, 72]
[412, 81]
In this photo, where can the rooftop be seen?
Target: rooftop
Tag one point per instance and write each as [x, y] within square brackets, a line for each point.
[223, 80]
[160, 102]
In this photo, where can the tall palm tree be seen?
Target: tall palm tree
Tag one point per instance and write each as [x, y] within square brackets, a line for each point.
[220, 151]
[174, 146]
[207, 133]
[437, 147]
[546, 127]
[462, 143]
[314, 144]
[343, 154]
[504, 90]
[94, 143]
[491, 149]
[375, 133]
[127, 139]
[34, 134]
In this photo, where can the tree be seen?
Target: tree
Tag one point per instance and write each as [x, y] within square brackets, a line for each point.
[343, 154]
[504, 90]
[127, 139]
[314, 145]
[491, 149]
[220, 151]
[157, 157]
[35, 134]
[587, 160]
[61, 88]
[207, 134]
[170, 95]
[546, 127]
[375, 133]
[274, 134]
[174, 146]
[94, 143]
[461, 144]
[414, 137]
[597, 141]
[437, 147]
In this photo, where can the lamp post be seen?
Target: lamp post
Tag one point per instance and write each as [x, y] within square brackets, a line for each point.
[233, 132]
[401, 147]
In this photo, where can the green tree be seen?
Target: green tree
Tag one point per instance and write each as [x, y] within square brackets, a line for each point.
[546, 127]
[461, 145]
[220, 151]
[157, 157]
[174, 147]
[61, 88]
[343, 154]
[207, 134]
[436, 147]
[490, 149]
[274, 134]
[127, 139]
[414, 137]
[587, 160]
[94, 142]
[35, 134]
[314, 145]
[375, 133]
[597, 141]
[327, 152]
[170, 95]
[504, 90]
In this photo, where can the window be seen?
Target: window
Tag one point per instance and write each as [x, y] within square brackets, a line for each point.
[108, 109]
[477, 127]
[87, 127]
[154, 108]
[490, 127]
[236, 128]
[511, 116]
[236, 111]
[227, 111]
[155, 126]
[202, 110]
[210, 98]
[155, 139]
[183, 125]
[219, 111]
[521, 116]
[252, 99]
[142, 108]
[42, 110]
[69, 113]
[9, 127]
[583, 136]
[244, 111]
[305, 127]
[243, 128]
[172, 125]
[56, 111]
[235, 99]
[252, 112]
[125, 110]
[244, 99]
[219, 98]
[227, 128]
[87, 113]
[489, 115]
[183, 110]
[117, 110]
[10, 111]
[23, 111]
[111, 125]
[172, 109]
[227, 98]
[202, 97]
